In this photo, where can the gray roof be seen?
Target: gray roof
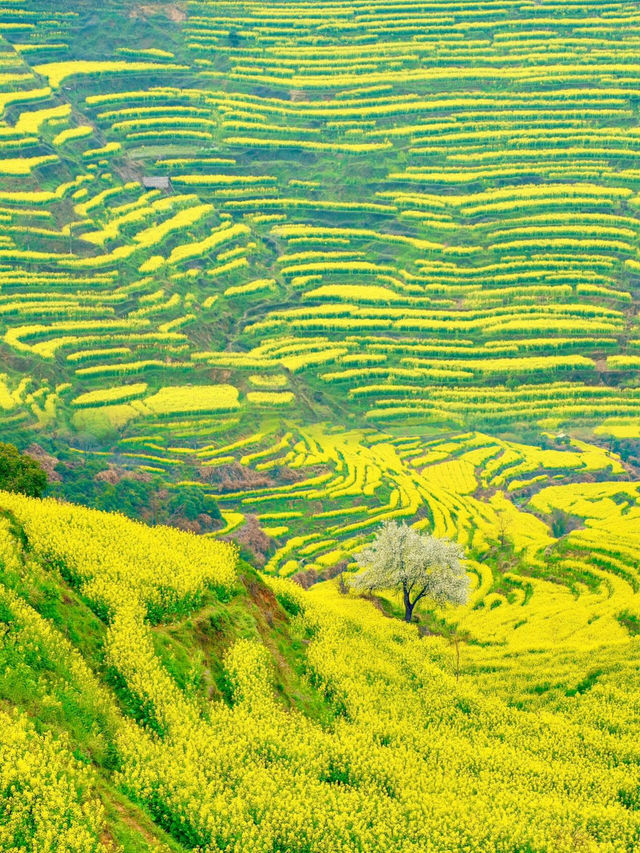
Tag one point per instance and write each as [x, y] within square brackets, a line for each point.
[157, 183]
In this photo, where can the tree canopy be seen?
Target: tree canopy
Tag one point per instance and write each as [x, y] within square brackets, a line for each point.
[419, 564]
[21, 473]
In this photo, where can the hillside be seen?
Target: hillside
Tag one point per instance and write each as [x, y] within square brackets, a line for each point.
[156, 694]
[272, 274]
[257, 254]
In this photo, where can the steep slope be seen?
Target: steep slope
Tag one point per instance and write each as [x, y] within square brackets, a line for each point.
[156, 696]
[66, 689]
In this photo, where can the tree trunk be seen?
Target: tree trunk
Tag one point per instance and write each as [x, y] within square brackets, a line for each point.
[408, 606]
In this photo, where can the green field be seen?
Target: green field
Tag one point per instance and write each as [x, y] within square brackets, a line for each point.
[277, 273]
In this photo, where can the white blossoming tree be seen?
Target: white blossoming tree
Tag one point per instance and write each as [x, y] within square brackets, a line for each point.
[421, 565]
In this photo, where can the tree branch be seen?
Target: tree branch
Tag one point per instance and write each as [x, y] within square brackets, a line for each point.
[420, 595]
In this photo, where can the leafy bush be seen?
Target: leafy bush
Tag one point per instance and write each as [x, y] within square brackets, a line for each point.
[20, 473]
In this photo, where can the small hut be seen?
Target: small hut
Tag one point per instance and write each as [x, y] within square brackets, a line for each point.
[157, 183]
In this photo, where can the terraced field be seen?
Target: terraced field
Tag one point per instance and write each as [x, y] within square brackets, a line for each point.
[302, 233]
[408, 211]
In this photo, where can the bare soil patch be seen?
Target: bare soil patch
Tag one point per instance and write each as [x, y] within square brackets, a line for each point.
[169, 10]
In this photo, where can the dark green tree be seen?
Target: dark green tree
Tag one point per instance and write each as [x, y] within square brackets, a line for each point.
[21, 473]
[190, 502]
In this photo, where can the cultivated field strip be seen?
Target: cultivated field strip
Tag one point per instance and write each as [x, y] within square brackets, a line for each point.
[400, 205]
